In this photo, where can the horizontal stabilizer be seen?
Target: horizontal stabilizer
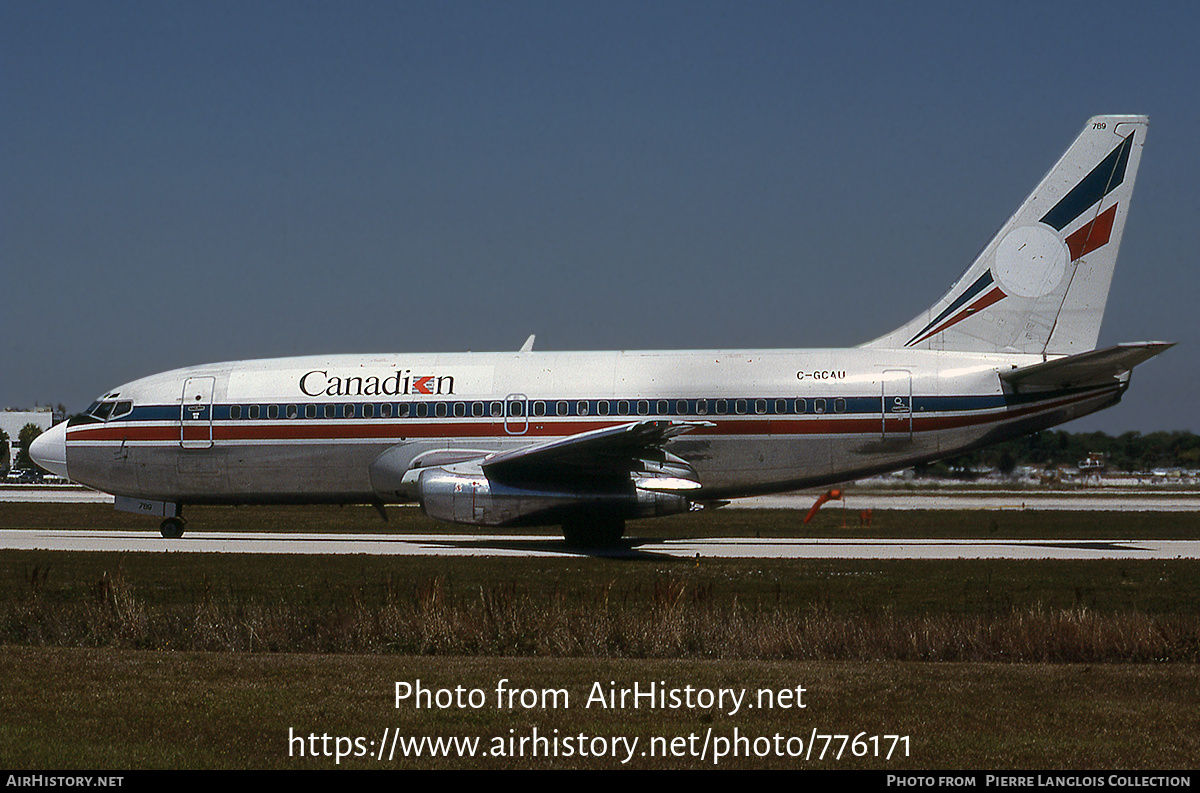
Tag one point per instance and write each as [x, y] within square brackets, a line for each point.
[1096, 367]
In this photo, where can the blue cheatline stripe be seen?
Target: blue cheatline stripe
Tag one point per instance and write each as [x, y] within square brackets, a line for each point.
[774, 406]
[1104, 178]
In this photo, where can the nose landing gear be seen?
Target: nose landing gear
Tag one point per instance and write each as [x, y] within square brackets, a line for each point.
[172, 528]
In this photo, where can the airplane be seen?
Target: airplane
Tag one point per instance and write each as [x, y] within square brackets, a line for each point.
[588, 440]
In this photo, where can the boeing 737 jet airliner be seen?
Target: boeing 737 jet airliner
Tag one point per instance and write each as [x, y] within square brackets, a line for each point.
[587, 440]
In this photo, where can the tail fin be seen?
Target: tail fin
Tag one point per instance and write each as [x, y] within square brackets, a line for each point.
[1040, 286]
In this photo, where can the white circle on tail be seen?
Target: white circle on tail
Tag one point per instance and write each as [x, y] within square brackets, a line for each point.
[1031, 261]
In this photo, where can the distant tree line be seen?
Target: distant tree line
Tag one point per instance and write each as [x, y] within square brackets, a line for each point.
[1130, 451]
[27, 436]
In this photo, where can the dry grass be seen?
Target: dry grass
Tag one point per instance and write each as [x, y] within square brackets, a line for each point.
[673, 619]
[315, 643]
[116, 709]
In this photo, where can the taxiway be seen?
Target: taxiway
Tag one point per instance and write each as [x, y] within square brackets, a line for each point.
[543, 545]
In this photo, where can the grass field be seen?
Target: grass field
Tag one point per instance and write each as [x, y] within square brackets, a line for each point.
[135, 709]
[197, 660]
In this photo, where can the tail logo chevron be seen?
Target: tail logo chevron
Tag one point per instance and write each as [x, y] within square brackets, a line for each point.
[1031, 261]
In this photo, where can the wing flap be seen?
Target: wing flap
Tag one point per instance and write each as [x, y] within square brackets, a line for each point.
[599, 454]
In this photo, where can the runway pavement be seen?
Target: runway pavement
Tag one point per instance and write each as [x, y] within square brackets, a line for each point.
[53, 495]
[532, 545]
[1096, 500]
[1093, 499]
[467, 544]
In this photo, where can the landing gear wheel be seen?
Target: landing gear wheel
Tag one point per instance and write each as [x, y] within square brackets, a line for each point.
[594, 532]
[172, 528]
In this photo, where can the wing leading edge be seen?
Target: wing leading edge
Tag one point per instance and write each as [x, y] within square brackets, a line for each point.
[634, 449]
[590, 482]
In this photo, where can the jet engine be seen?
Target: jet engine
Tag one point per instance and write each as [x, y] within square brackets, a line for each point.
[464, 494]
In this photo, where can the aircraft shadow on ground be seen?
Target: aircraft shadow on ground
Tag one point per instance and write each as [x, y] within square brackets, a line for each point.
[627, 548]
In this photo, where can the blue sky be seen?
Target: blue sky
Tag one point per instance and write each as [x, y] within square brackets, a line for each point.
[192, 182]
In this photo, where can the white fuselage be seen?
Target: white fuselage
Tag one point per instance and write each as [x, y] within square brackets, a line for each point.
[311, 429]
[589, 439]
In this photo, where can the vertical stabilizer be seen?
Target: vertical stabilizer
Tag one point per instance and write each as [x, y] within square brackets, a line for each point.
[1040, 286]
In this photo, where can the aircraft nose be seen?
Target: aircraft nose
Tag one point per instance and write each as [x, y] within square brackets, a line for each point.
[49, 450]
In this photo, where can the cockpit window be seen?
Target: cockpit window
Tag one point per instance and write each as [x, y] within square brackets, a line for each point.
[108, 408]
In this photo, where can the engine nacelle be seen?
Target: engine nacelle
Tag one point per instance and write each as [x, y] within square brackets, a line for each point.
[464, 494]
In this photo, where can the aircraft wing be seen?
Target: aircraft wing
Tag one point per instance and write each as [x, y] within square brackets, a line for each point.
[1096, 367]
[612, 452]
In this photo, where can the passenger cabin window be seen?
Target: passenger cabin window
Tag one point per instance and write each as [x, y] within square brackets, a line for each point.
[254, 411]
[235, 412]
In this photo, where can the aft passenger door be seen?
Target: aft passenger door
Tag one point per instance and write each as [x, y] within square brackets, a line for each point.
[897, 405]
[195, 413]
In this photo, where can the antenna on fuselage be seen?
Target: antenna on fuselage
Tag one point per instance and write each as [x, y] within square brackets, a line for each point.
[528, 345]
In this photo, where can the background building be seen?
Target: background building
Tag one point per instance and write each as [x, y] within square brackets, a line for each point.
[12, 421]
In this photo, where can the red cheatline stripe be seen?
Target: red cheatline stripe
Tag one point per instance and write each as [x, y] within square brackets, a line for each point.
[1092, 235]
[824, 424]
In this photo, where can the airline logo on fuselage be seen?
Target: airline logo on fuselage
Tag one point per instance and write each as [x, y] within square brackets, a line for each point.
[319, 382]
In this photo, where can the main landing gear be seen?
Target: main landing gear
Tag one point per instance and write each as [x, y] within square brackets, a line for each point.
[172, 528]
[594, 532]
